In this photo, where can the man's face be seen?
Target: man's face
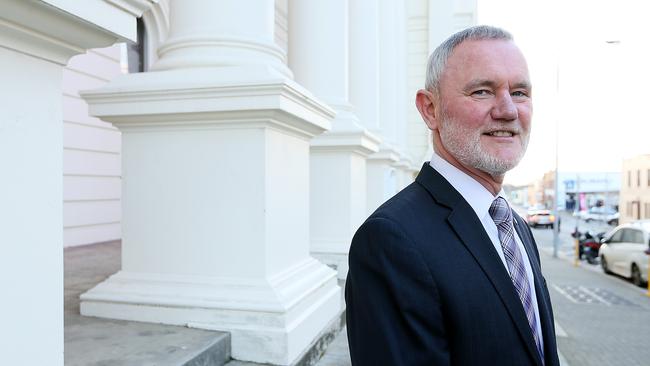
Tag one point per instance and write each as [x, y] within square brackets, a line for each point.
[485, 106]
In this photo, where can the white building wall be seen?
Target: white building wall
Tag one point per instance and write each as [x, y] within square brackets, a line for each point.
[417, 134]
[634, 201]
[91, 154]
[603, 186]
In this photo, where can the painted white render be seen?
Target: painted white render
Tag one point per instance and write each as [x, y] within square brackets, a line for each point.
[235, 169]
[37, 38]
[91, 154]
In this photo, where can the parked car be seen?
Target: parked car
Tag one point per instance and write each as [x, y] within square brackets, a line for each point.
[606, 214]
[623, 251]
[540, 217]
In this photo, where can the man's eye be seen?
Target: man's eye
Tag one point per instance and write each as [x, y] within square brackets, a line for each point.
[481, 92]
[519, 93]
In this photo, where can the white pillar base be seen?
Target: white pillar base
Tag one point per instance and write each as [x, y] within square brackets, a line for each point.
[216, 208]
[270, 321]
[404, 171]
[382, 177]
[338, 188]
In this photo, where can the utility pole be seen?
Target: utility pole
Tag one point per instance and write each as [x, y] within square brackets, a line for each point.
[576, 250]
[556, 224]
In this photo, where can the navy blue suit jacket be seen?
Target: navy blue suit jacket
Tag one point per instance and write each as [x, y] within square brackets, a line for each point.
[426, 286]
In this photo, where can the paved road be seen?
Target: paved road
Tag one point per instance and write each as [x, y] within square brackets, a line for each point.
[602, 319]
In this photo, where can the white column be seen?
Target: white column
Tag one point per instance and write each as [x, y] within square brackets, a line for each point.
[441, 22]
[364, 62]
[400, 123]
[318, 56]
[366, 80]
[417, 29]
[230, 33]
[382, 174]
[31, 214]
[216, 187]
[36, 41]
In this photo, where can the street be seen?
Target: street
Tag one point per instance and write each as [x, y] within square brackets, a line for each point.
[600, 319]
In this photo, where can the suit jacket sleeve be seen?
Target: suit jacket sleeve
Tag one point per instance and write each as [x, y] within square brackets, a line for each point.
[394, 314]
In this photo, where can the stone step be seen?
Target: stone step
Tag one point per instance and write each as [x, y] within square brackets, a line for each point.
[101, 342]
[105, 342]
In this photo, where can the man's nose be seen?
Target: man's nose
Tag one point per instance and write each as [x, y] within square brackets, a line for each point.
[504, 109]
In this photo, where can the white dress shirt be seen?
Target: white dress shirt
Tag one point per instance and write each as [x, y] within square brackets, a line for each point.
[481, 199]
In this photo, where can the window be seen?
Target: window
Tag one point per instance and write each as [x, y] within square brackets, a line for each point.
[632, 236]
[648, 176]
[629, 178]
[638, 178]
[617, 236]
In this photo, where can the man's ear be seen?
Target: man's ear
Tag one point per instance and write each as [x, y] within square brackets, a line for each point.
[426, 103]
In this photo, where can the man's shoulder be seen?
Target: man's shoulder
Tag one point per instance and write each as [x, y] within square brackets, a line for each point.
[407, 205]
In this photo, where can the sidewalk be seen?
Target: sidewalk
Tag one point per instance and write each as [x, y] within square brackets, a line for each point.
[603, 320]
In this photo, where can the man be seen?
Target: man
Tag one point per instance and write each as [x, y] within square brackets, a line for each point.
[445, 273]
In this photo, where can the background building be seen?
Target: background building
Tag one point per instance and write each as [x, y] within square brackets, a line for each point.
[518, 195]
[248, 141]
[635, 191]
[587, 189]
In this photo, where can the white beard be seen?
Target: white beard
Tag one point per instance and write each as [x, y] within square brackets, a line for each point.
[464, 144]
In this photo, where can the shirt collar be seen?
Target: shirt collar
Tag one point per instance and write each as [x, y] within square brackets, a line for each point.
[478, 197]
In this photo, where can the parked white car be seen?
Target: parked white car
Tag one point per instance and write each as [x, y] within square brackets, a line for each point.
[624, 251]
[543, 218]
[606, 214]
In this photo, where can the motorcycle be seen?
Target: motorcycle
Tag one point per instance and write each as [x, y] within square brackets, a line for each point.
[588, 244]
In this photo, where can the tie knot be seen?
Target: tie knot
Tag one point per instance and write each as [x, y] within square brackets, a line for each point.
[500, 211]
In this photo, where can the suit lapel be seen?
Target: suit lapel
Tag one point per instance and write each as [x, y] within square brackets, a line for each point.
[469, 229]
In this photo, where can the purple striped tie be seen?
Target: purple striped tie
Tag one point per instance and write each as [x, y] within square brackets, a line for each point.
[502, 216]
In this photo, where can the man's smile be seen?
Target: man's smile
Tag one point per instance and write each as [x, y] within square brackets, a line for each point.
[501, 133]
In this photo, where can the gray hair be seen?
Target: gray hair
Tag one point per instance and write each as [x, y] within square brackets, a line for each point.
[438, 59]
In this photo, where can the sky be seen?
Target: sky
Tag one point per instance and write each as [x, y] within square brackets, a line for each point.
[590, 67]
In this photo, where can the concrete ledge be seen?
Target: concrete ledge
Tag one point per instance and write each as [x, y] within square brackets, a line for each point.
[93, 341]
